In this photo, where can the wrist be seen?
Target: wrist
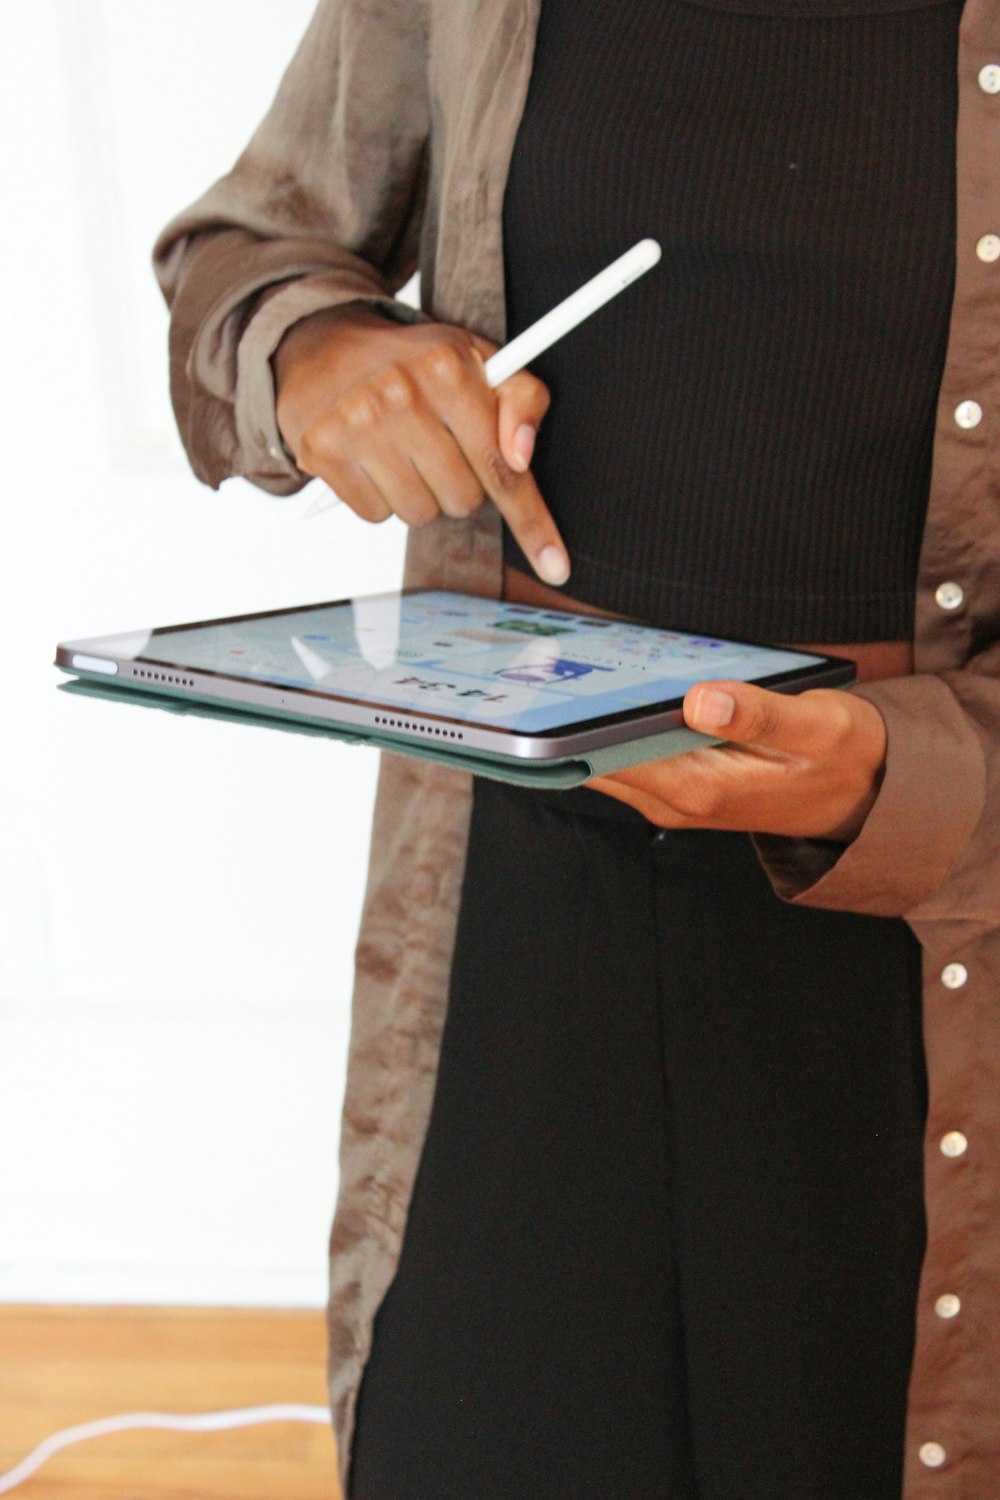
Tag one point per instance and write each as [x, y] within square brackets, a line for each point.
[304, 362]
[848, 829]
[309, 336]
[869, 758]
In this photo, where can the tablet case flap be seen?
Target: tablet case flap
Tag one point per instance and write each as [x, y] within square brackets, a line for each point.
[558, 775]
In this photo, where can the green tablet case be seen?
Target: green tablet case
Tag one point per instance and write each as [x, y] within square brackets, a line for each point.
[558, 775]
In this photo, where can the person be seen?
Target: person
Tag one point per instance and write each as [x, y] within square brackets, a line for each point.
[643, 1192]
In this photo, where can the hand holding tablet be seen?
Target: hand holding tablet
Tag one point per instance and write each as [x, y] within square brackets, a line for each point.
[802, 767]
[526, 694]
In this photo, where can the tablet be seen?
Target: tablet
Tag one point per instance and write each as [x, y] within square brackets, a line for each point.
[477, 682]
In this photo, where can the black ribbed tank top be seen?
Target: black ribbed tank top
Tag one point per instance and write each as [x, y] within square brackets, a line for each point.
[741, 442]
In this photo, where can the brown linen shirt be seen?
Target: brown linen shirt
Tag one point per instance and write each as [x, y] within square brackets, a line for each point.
[388, 147]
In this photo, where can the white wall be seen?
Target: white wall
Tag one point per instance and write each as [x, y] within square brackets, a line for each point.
[177, 899]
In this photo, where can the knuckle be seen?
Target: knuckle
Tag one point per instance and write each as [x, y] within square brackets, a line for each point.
[308, 458]
[466, 502]
[459, 497]
[372, 508]
[366, 508]
[319, 446]
[537, 394]
[499, 474]
[396, 389]
[841, 712]
[417, 509]
[445, 364]
[765, 720]
[359, 410]
[838, 720]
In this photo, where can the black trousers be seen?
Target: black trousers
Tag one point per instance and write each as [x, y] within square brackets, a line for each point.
[666, 1232]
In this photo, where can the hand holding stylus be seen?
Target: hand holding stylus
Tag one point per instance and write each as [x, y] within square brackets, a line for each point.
[420, 420]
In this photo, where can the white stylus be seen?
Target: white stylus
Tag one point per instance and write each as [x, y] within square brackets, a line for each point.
[555, 324]
[568, 313]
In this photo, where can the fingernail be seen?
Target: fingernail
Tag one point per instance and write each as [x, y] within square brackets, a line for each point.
[714, 710]
[553, 565]
[524, 447]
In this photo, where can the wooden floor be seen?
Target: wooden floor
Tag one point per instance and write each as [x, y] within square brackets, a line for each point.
[60, 1366]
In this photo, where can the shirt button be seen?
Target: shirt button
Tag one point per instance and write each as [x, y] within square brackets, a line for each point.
[968, 414]
[988, 248]
[953, 976]
[954, 1143]
[989, 78]
[275, 451]
[932, 1455]
[949, 595]
[948, 1306]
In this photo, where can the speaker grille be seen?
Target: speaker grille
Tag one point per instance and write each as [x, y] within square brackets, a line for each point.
[412, 727]
[169, 679]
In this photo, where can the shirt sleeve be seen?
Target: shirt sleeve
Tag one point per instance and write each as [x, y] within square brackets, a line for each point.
[323, 207]
[928, 850]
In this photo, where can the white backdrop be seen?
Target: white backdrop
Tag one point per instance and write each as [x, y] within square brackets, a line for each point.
[177, 899]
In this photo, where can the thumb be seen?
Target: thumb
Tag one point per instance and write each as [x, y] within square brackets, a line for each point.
[522, 401]
[747, 715]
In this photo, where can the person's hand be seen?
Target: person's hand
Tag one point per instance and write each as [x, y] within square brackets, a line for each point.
[808, 766]
[398, 420]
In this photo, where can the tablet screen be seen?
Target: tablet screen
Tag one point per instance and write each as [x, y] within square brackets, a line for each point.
[514, 667]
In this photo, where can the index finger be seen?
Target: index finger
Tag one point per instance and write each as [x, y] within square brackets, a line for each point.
[474, 423]
[519, 500]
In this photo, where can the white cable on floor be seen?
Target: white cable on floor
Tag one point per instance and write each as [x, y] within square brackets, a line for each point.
[209, 1421]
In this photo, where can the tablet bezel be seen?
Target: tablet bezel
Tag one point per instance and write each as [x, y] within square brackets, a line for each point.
[149, 675]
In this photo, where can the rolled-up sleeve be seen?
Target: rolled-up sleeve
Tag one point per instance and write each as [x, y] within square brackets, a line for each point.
[322, 208]
[929, 848]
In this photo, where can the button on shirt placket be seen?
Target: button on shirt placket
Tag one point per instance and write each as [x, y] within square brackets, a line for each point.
[932, 1455]
[948, 1305]
[950, 595]
[953, 1145]
[953, 1294]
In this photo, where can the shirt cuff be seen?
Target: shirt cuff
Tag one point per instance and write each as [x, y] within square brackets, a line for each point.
[266, 460]
[931, 799]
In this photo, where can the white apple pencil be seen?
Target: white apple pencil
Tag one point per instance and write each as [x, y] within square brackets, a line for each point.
[568, 313]
[555, 324]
